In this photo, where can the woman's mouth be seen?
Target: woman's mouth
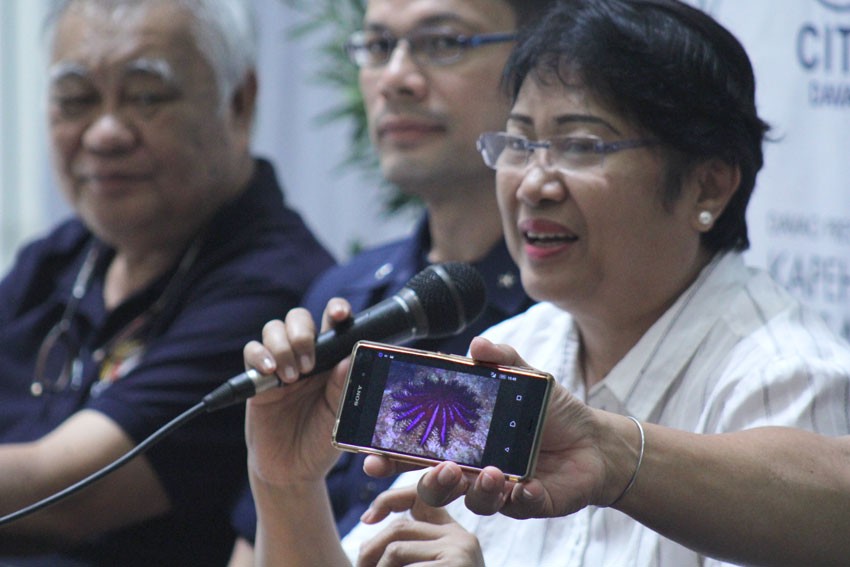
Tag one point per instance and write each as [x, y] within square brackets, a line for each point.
[548, 239]
[544, 238]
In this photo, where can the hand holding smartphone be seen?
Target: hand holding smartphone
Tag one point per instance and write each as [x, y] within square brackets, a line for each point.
[424, 407]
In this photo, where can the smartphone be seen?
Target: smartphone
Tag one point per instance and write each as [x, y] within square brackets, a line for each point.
[425, 407]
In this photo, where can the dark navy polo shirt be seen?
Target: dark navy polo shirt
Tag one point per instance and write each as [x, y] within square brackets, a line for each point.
[256, 259]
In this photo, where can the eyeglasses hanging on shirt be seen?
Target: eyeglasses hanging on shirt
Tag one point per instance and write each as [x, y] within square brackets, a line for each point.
[59, 361]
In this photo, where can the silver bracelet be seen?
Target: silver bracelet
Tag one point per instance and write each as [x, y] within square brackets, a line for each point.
[639, 461]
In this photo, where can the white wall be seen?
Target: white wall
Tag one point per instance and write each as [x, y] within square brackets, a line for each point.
[26, 205]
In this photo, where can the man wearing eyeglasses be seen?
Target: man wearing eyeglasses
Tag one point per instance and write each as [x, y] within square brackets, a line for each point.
[128, 314]
[430, 75]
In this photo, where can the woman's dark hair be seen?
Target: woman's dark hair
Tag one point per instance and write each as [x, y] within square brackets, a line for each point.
[528, 11]
[668, 68]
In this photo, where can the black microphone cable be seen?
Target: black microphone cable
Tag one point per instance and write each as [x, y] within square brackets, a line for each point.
[149, 442]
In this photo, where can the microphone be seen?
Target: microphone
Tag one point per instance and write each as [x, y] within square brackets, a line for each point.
[440, 301]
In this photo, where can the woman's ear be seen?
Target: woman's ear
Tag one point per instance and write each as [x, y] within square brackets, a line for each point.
[714, 182]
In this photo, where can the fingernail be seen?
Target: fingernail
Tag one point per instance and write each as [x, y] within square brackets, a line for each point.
[306, 362]
[527, 495]
[267, 365]
[290, 373]
[445, 477]
[487, 483]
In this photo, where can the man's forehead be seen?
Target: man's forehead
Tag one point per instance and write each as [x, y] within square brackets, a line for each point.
[496, 14]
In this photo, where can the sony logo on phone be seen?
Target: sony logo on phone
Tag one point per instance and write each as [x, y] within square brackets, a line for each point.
[357, 396]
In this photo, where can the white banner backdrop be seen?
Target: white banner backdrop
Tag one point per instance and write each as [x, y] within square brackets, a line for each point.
[800, 214]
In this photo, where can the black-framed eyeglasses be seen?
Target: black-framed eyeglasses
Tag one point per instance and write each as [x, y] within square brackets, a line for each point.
[57, 363]
[372, 48]
[501, 150]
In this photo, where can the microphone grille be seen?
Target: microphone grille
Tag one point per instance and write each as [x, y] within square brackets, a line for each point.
[451, 294]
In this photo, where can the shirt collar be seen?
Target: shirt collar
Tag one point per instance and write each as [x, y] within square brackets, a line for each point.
[642, 377]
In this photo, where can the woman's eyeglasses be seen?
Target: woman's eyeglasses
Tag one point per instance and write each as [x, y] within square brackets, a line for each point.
[501, 150]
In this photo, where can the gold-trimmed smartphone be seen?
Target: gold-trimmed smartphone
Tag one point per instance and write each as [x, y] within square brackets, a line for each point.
[425, 407]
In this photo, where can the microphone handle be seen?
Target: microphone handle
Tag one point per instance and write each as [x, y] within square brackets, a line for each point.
[395, 320]
[390, 321]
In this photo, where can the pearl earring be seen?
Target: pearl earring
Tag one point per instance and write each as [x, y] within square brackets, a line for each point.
[705, 218]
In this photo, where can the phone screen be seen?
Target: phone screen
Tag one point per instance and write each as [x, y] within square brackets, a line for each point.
[428, 407]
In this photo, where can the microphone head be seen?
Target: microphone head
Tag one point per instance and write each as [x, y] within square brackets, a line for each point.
[452, 296]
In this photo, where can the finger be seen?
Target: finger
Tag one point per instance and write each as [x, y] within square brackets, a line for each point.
[527, 500]
[337, 311]
[401, 500]
[489, 492]
[442, 484]
[486, 351]
[398, 532]
[380, 467]
[258, 357]
[430, 514]
[336, 383]
[372, 550]
[409, 553]
[392, 500]
[276, 344]
[294, 341]
[255, 355]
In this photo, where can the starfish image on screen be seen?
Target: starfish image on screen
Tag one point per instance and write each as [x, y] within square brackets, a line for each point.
[436, 413]
[439, 405]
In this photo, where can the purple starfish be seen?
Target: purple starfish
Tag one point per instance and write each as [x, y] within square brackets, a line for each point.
[440, 404]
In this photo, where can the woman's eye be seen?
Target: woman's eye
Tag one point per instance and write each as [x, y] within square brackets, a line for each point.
[578, 146]
[515, 144]
[439, 43]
